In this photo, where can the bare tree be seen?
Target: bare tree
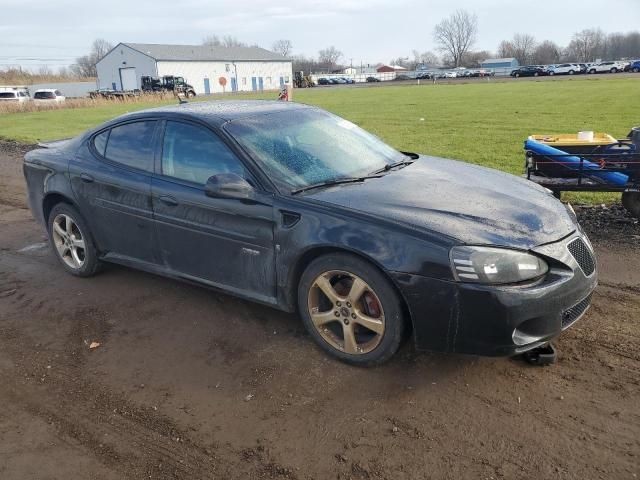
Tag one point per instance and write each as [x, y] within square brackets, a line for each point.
[424, 58]
[523, 47]
[475, 59]
[329, 57]
[226, 41]
[212, 41]
[587, 45]
[283, 47]
[456, 35]
[85, 66]
[546, 53]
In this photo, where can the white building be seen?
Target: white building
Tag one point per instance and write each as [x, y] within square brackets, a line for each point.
[209, 69]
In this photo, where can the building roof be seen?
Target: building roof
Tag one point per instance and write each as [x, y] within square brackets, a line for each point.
[499, 60]
[205, 53]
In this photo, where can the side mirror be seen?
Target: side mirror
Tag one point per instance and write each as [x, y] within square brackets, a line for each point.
[228, 185]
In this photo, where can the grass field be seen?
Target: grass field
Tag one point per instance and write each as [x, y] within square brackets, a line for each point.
[482, 123]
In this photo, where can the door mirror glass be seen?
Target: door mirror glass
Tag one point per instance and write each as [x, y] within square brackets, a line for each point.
[228, 185]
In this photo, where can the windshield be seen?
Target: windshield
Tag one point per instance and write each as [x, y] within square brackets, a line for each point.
[308, 146]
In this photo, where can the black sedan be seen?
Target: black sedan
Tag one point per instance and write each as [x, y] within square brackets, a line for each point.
[293, 207]
[530, 71]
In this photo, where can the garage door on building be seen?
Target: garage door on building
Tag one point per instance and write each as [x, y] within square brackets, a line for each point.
[128, 78]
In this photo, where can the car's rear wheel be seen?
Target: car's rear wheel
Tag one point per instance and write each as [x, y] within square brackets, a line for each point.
[552, 73]
[631, 201]
[71, 241]
[571, 72]
[636, 70]
[536, 74]
[614, 70]
[351, 309]
[517, 75]
[592, 70]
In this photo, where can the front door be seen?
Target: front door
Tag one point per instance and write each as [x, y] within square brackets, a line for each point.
[254, 84]
[234, 84]
[112, 180]
[223, 242]
[207, 87]
[261, 83]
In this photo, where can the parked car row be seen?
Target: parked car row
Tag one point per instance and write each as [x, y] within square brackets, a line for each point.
[22, 94]
[335, 81]
[576, 68]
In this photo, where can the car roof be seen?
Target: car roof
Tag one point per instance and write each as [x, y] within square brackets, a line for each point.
[220, 111]
[51, 90]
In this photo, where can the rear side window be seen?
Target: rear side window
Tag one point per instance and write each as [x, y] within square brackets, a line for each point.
[44, 95]
[132, 145]
[7, 95]
[100, 142]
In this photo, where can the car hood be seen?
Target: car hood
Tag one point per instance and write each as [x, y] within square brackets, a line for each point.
[472, 204]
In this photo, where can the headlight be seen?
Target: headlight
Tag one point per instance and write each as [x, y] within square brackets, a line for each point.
[495, 265]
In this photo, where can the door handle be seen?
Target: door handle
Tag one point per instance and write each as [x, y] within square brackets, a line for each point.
[168, 200]
[86, 178]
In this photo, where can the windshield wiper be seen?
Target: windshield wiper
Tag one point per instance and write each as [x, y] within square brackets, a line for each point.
[389, 166]
[336, 181]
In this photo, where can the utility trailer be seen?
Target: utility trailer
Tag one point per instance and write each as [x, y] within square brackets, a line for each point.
[565, 163]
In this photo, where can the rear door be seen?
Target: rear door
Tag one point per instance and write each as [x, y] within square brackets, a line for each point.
[224, 242]
[112, 181]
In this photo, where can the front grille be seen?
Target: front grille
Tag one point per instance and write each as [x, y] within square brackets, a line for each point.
[583, 256]
[574, 313]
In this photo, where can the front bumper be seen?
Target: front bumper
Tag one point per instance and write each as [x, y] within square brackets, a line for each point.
[499, 320]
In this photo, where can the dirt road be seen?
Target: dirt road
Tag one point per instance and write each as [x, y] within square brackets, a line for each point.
[190, 384]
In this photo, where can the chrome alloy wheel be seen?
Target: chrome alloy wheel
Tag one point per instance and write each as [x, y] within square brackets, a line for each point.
[346, 312]
[69, 241]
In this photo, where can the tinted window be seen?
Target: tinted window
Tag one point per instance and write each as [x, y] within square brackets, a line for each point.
[44, 95]
[132, 144]
[7, 95]
[193, 153]
[100, 141]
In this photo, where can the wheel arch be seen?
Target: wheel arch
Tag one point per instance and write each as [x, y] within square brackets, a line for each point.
[310, 254]
[51, 199]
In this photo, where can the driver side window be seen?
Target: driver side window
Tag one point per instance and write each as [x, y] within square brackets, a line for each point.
[193, 153]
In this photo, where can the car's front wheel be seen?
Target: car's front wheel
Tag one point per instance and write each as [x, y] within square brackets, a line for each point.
[71, 241]
[636, 70]
[571, 72]
[351, 309]
[552, 73]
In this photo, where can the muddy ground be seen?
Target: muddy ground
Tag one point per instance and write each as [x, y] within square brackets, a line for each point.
[190, 384]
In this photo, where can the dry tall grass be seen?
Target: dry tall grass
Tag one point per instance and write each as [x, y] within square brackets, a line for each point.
[33, 106]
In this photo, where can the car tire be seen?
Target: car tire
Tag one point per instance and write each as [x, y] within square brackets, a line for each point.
[551, 74]
[614, 70]
[635, 70]
[571, 72]
[536, 74]
[71, 241]
[331, 319]
[591, 71]
[517, 75]
[631, 202]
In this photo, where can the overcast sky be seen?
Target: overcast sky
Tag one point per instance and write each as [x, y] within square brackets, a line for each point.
[369, 31]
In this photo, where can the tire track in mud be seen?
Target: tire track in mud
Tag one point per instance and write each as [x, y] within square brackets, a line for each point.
[135, 440]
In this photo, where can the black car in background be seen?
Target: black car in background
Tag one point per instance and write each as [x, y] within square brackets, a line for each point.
[324, 81]
[529, 71]
[372, 79]
[296, 208]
